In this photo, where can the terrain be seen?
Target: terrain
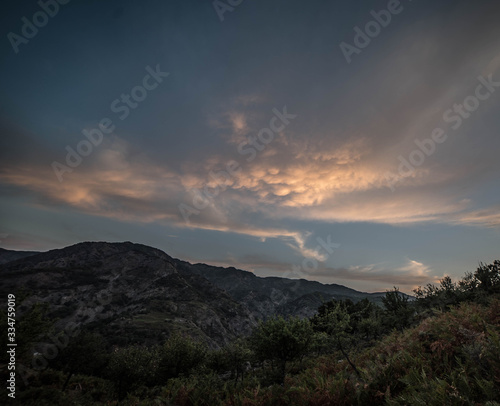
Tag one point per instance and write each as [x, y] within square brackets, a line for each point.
[132, 293]
[151, 329]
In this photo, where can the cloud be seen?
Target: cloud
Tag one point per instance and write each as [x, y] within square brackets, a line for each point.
[407, 276]
[235, 118]
[329, 166]
[115, 183]
[411, 274]
[489, 217]
[330, 185]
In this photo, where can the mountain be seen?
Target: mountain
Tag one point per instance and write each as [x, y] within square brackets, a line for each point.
[8, 255]
[129, 292]
[273, 295]
[135, 293]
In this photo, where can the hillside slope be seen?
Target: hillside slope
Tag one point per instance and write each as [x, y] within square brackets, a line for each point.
[130, 292]
[135, 293]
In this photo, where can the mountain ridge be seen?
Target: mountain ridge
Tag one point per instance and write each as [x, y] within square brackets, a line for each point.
[153, 294]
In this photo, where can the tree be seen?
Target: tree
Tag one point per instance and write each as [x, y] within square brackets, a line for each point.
[131, 367]
[84, 354]
[364, 318]
[335, 320]
[282, 340]
[179, 356]
[488, 277]
[237, 355]
[478, 287]
[398, 311]
[233, 357]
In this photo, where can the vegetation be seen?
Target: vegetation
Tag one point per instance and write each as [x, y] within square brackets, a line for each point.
[281, 341]
[440, 348]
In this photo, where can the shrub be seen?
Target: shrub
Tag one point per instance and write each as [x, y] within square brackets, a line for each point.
[282, 340]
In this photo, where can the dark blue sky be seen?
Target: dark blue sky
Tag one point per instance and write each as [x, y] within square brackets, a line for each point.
[346, 150]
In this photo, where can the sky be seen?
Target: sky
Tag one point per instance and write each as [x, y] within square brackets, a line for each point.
[350, 142]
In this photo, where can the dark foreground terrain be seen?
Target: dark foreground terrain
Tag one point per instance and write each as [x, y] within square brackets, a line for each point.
[122, 323]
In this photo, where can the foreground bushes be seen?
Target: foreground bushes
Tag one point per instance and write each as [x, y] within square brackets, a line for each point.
[451, 358]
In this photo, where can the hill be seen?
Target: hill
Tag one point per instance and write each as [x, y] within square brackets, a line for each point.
[133, 293]
[10, 255]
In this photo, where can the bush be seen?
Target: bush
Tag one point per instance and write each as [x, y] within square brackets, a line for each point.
[179, 356]
[132, 367]
[282, 341]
